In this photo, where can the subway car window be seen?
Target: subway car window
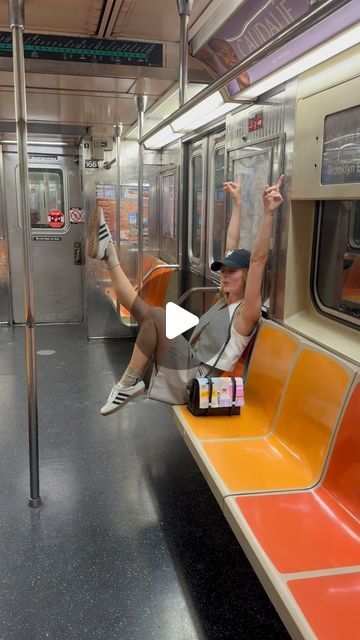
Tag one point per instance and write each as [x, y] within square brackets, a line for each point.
[354, 239]
[46, 188]
[337, 278]
[197, 207]
[217, 203]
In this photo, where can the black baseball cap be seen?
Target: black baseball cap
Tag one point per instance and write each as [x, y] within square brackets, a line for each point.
[236, 259]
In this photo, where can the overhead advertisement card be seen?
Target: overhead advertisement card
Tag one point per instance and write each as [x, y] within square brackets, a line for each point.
[255, 23]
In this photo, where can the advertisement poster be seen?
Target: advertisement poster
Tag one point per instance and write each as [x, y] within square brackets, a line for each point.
[253, 172]
[255, 23]
[105, 198]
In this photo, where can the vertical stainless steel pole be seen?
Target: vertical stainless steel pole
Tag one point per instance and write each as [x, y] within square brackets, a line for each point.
[117, 134]
[141, 106]
[16, 16]
[184, 9]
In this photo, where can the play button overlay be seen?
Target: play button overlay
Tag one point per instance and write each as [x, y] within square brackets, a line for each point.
[178, 320]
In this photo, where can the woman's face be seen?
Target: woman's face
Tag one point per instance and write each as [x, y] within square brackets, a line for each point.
[233, 282]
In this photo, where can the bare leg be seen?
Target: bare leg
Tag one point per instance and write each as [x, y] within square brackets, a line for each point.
[101, 247]
[151, 340]
[126, 294]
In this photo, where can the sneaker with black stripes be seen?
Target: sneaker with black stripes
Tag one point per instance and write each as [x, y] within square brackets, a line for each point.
[119, 396]
[98, 235]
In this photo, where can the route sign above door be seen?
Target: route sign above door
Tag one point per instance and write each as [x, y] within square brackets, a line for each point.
[94, 50]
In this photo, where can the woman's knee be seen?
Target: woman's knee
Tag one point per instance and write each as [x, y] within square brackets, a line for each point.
[139, 309]
[156, 315]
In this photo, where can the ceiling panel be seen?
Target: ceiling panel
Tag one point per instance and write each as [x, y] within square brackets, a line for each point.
[151, 86]
[71, 108]
[153, 19]
[79, 17]
[75, 83]
[65, 92]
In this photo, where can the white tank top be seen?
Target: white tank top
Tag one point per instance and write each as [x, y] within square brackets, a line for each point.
[207, 342]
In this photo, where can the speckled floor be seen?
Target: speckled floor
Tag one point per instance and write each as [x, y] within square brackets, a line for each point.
[129, 543]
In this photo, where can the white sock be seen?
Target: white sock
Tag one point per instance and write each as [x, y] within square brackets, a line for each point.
[130, 377]
[111, 256]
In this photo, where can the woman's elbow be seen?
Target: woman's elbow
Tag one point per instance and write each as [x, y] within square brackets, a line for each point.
[258, 259]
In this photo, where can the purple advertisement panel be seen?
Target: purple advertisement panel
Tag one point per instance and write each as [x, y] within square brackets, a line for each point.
[239, 39]
[255, 22]
[332, 25]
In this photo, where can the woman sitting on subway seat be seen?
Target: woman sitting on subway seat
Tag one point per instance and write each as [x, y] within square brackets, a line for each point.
[176, 360]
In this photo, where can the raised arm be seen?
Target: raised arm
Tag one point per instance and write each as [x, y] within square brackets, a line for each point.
[233, 232]
[250, 310]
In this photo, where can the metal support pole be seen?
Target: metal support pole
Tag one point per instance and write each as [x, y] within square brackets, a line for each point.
[16, 15]
[117, 135]
[184, 9]
[141, 106]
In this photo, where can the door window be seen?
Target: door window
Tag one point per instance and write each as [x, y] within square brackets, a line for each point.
[197, 204]
[217, 207]
[46, 198]
[168, 195]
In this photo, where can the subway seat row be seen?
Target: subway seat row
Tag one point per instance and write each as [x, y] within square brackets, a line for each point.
[287, 475]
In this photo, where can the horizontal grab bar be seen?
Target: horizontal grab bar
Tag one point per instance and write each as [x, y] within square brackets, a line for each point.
[190, 292]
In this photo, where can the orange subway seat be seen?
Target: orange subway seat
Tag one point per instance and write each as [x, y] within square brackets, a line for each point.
[330, 604]
[325, 522]
[293, 456]
[270, 362]
[155, 287]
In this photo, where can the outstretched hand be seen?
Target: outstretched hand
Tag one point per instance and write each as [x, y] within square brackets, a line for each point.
[272, 197]
[234, 189]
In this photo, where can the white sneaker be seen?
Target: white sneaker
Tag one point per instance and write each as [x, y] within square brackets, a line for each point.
[98, 235]
[121, 395]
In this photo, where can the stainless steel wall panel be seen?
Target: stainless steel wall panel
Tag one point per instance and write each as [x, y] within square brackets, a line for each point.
[237, 124]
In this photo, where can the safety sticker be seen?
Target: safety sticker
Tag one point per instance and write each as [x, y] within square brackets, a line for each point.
[76, 215]
[56, 218]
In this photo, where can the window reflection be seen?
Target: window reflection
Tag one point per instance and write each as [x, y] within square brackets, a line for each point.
[338, 271]
[341, 151]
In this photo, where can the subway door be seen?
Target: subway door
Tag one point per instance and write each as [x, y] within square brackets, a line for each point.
[207, 216]
[57, 238]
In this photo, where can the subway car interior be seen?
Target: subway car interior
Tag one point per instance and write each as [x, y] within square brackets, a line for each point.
[151, 522]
